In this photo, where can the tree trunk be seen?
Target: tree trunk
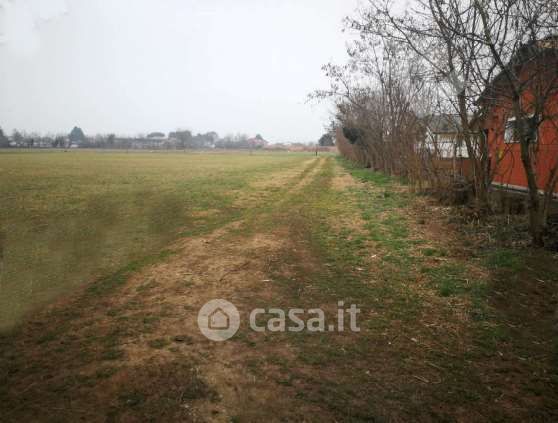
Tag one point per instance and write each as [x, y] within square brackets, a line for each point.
[480, 179]
[536, 213]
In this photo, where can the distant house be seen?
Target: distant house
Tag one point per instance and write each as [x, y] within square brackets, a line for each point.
[537, 67]
[442, 139]
[443, 146]
[43, 142]
[148, 142]
[276, 147]
[257, 142]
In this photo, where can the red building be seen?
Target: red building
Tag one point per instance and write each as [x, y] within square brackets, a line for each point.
[536, 66]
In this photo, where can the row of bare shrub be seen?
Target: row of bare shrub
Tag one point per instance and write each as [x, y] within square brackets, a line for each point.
[420, 85]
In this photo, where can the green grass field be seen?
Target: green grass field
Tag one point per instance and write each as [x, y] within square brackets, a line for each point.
[450, 330]
[67, 218]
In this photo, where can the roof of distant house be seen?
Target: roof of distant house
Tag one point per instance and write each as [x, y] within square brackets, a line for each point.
[546, 48]
[445, 123]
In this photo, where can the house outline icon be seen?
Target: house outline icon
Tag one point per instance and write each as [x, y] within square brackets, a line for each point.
[218, 319]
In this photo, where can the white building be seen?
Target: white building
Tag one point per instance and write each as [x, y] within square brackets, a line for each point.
[442, 139]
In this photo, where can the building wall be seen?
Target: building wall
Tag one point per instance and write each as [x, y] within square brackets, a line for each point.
[443, 145]
[506, 157]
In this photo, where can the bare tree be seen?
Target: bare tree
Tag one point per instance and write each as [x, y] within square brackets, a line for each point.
[446, 56]
[526, 54]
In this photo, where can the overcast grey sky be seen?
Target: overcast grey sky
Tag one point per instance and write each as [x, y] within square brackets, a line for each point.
[133, 66]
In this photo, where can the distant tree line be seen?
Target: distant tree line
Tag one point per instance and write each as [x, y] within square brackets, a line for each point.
[181, 139]
[178, 140]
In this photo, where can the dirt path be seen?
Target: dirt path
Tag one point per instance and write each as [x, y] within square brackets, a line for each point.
[145, 335]
[130, 349]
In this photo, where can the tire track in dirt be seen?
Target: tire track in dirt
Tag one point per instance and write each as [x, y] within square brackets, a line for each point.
[153, 359]
[240, 275]
[276, 183]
